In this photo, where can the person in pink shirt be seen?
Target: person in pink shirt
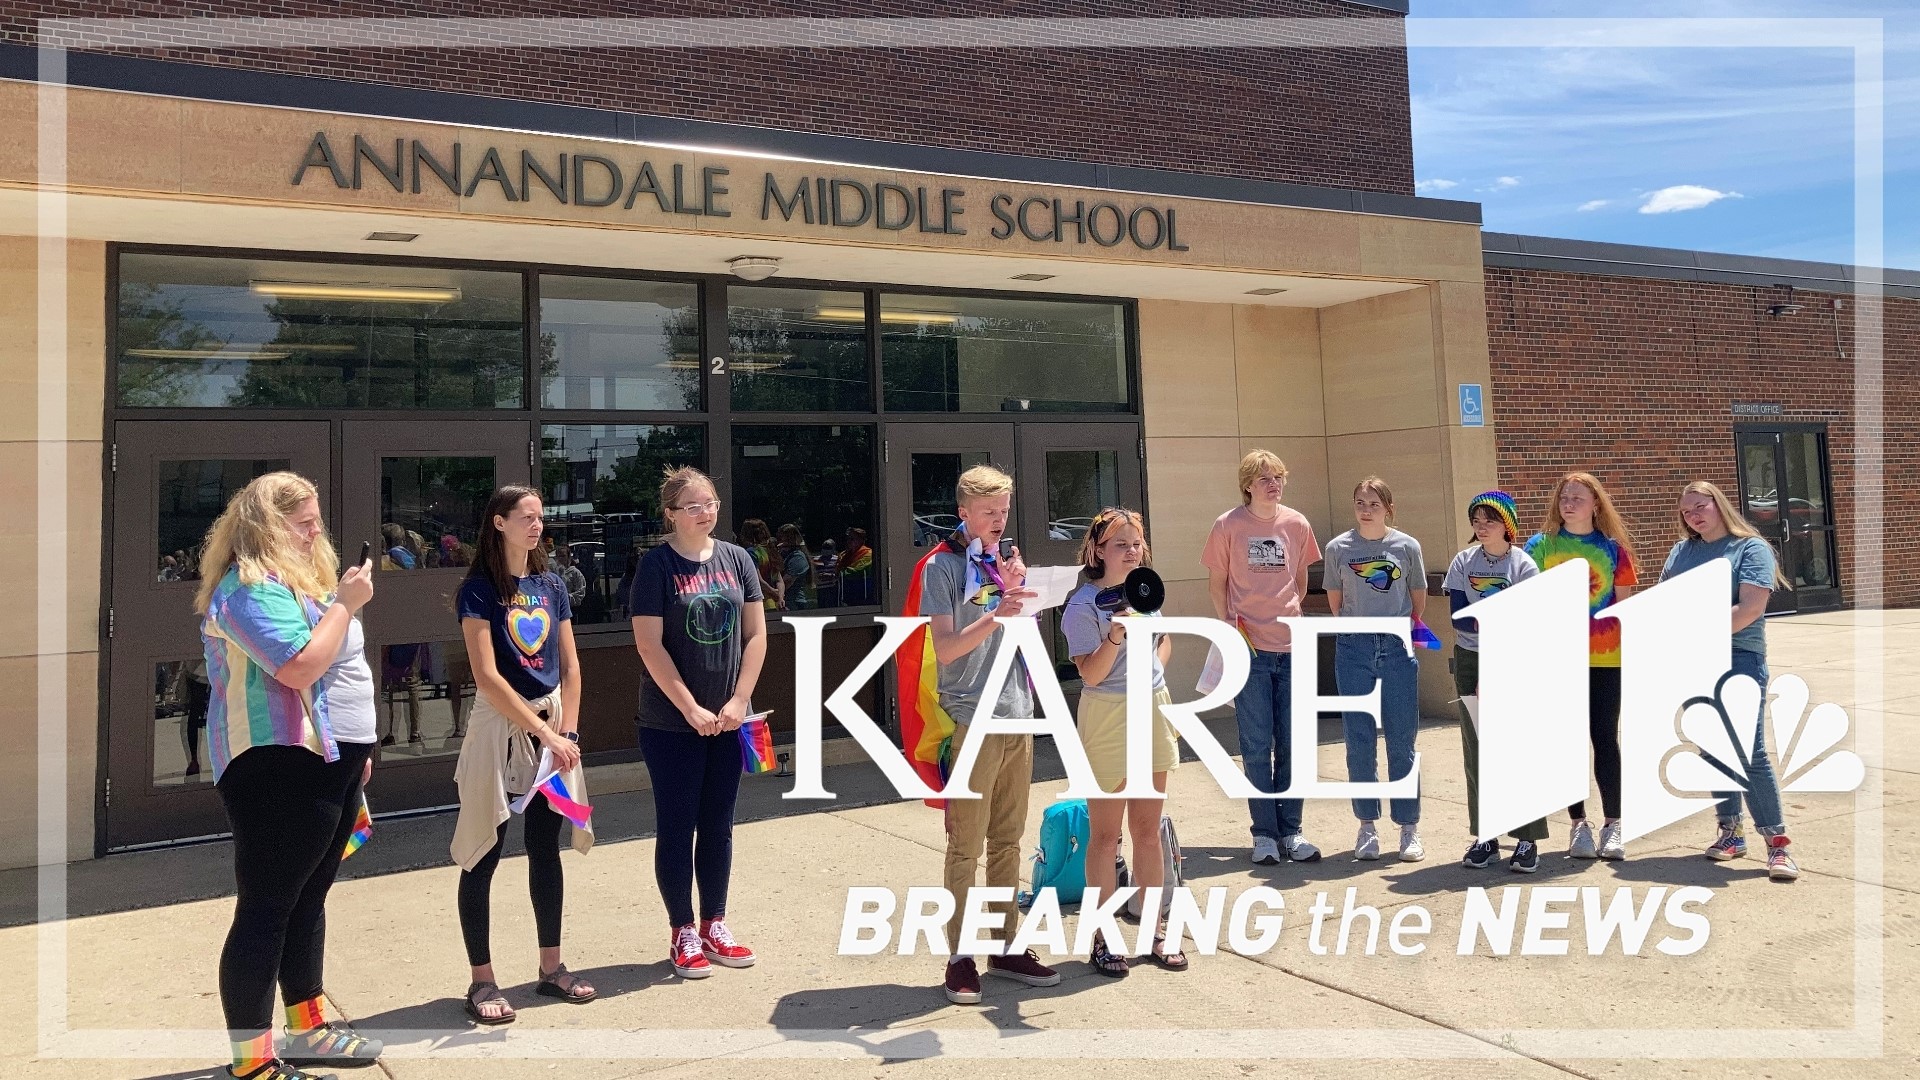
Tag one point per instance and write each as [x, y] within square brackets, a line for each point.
[1257, 558]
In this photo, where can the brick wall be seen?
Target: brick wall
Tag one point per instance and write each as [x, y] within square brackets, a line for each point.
[1329, 117]
[1632, 379]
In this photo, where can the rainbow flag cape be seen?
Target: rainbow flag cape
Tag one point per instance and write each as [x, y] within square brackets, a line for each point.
[362, 829]
[926, 731]
[756, 746]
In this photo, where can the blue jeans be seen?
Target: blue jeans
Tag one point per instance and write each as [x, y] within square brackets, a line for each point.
[1763, 787]
[1264, 709]
[1358, 661]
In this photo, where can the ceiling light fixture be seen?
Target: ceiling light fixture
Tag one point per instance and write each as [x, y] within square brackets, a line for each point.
[1033, 277]
[326, 290]
[753, 267]
[1265, 292]
[394, 237]
[897, 315]
[219, 353]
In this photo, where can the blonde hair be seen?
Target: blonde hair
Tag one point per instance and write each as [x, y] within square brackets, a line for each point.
[1736, 522]
[1605, 518]
[252, 534]
[675, 481]
[1103, 525]
[982, 482]
[1378, 487]
[1251, 466]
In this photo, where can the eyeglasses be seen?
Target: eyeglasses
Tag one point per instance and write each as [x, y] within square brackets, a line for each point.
[711, 506]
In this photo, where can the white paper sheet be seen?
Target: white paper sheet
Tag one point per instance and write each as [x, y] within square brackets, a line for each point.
[1053, 583]
[1472, 702]
[1210, 674]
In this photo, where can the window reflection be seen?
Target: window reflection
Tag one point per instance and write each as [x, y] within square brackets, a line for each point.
[430, 510]
[601, 487]
[803, 508]
[426, 694]
[608, 343]
[180, 696]
[201, 331]
[191, 494]
[798, 350]
[987, 354]
[1079, 484]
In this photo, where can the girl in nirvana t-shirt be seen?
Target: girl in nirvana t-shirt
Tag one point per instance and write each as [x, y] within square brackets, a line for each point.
[700, 624]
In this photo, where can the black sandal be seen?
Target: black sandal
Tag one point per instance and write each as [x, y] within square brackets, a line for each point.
[1166, 960]
[274, 1070]
[563, 984]
[333, 1044]
[479, 994]
[1106, 961]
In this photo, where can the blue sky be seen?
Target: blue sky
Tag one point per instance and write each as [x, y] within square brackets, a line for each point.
[1737, 150]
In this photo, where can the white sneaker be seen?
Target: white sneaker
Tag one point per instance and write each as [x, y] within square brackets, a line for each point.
[1410, 847]
[1299, 850]
[1581, 845]
[1611, 846]
[1366, 847]
[1266, 851]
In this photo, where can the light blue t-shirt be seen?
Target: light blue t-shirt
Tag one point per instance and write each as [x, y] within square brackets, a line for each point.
[1753, 564]
[1083, 625]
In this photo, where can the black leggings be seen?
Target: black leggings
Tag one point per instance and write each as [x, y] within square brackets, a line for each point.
[291, 812]
[544, 884]
[695, 781]
[1603, 727]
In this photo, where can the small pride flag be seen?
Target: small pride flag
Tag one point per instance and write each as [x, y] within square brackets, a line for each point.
[551, 784]
[756, 745]
[362, 829]
[1423, 637]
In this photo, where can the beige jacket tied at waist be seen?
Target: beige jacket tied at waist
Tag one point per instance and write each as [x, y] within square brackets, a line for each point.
[498, 761]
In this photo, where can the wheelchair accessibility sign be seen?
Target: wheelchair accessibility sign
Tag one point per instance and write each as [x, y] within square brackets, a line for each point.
[1471, 413]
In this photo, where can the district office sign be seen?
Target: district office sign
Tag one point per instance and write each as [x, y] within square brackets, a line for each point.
[1759, 408]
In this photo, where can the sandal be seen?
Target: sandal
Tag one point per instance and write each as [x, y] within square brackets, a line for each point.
[479, 994]
[566, 986]
[1106, 961]
[275, 1070]
[1165, 959]
[333, 1044]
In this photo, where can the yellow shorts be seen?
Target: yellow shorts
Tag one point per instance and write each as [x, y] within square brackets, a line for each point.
[1103, 734]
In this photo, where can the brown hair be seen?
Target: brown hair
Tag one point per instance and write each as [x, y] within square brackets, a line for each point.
[1378, 487]
[1605, 518]
[1251, 466]
[490, 561]
[252, 534]
[1736, 522]
[1104, 524]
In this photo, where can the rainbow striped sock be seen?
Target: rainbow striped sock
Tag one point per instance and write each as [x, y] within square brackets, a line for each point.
[251, 1054]
[304, 1017]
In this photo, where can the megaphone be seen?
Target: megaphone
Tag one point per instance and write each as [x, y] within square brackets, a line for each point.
[1143, 592]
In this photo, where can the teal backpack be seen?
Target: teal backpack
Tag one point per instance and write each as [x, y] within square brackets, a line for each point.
[1060, 863]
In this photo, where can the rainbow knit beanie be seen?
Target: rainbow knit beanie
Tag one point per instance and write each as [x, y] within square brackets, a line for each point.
[1502, 506]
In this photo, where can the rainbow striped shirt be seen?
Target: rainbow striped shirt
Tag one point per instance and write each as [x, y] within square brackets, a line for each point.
[249, 632]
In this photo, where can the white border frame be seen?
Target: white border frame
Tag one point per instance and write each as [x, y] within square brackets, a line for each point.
[1865, 39]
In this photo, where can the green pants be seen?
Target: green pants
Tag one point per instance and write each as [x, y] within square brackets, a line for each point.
[1466, 680]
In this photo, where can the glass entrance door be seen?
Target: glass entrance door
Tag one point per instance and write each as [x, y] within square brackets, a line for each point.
[1784, 492]
[170, 481]
[416, 493]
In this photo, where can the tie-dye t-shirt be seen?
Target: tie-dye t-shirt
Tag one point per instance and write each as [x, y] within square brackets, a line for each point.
[249, 634]
[1608, 565]
[525, 629]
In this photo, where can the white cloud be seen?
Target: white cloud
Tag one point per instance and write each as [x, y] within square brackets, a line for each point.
[1424, 186]
[1683, 197]
[1507, 182]
[1594, 204]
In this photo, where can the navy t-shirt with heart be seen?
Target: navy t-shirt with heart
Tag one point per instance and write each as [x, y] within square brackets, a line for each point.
[525, 629]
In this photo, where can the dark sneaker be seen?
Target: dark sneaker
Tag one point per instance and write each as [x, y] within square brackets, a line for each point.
[1479, 855]
[1731, 844]
[1526, 858]
[1023, 967]
[963, 982]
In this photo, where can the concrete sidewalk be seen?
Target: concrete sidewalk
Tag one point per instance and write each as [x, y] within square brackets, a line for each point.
[1796, 980]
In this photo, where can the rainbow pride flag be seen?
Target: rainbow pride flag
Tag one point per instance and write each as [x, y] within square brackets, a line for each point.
[362, 829]
[756, 745]
[550, 783]
[926, 731]
[1423, 637]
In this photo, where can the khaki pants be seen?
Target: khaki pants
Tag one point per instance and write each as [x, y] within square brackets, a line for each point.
[1003, 775]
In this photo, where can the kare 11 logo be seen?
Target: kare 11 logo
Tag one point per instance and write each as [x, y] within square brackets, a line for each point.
[1688, 726]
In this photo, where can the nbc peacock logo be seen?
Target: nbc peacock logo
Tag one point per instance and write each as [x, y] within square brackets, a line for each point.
[1719, 754]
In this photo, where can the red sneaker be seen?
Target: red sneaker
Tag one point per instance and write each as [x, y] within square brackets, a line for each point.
[1023, 967]
[963, 982]
[689, 961]
[719, 946]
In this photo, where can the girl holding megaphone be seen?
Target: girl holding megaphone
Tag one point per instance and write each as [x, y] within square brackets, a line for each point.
[1115, 557]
